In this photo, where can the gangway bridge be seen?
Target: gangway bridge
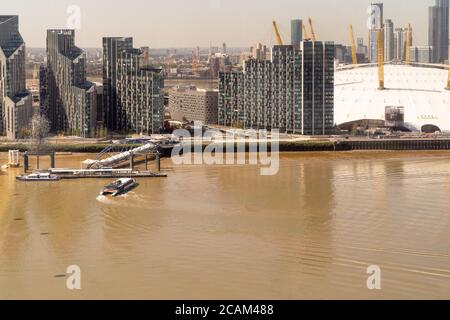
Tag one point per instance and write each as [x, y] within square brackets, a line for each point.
[116, 156]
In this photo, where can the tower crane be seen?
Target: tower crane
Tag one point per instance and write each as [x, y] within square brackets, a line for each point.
[408, 45]
[352, 40]
[313, 35]
[305, 33]
[380, 57]
[277, 33]
[194, 62]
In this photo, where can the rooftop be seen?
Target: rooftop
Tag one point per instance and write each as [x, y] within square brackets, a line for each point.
[6, 18]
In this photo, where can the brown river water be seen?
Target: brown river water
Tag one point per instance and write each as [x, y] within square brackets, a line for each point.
[226, 232]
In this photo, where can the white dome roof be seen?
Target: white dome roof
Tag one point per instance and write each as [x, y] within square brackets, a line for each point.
[420, 90]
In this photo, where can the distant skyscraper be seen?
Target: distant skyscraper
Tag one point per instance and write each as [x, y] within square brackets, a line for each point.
[342, 54]
[399, 41]
[112, 47]
[361, 49]
[15, 100]
[293, 92]
[389, 46]
[376, 18]
[296, 32]
[438, 30]
[70, 103]
[400, 36]
[224, 48]
[422, 54]
[259, 52]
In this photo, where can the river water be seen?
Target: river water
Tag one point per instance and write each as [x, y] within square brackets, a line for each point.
[226, 232]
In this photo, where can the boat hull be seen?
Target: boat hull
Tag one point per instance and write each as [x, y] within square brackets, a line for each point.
[27, 179]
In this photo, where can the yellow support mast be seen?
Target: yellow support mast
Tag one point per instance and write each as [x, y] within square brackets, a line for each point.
[279, 39]
[352, 40]
[408, 45]
[313, 35]
[380, 57]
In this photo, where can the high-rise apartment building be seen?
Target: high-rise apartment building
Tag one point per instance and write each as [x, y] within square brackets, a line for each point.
[292, 92]
[438, 30]
[296, 32]
[68, 100]
[112, 48]
[15, 101]
[134, 101]
[318, 88]
[231, 111]
[389, 41]
[376, 22]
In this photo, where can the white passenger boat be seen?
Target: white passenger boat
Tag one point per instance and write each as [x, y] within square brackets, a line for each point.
[119, 187]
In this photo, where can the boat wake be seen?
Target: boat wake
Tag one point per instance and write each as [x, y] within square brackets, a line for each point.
[104, 200]
[129, 199]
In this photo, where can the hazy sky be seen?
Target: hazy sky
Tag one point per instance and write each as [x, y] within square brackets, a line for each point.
[188, 23]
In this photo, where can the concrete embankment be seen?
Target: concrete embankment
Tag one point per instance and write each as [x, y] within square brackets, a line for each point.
[285, 146]
[346, 145]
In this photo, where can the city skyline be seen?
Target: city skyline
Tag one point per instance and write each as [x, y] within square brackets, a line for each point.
[209, 22]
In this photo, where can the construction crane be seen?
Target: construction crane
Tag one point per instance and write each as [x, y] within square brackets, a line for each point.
[313, 35]
[280, 41]
[352, 40]
[194, 62]
[305, 33]
[380, 57]
[408, 45]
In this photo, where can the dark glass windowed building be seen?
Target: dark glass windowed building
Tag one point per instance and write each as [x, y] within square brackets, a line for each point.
[292, 92]
[438, 30]
[112, 49]
[133, 90]
[67, 99]
[15, 101]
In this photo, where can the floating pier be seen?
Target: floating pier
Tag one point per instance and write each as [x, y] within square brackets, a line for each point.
[107, 173]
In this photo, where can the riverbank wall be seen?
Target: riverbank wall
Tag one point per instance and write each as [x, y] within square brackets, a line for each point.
[291, 146]
[339, 146]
